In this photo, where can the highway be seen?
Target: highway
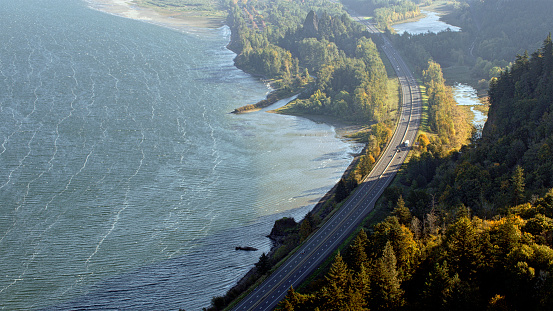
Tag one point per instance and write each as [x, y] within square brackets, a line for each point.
[326, 239]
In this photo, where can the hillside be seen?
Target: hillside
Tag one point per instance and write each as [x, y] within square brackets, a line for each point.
[479, 235]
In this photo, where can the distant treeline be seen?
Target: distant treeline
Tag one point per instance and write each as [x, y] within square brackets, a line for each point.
[493, 31]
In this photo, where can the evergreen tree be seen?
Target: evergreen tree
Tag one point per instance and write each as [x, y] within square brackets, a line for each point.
[386, 293]
[306, 227]
[292, 301]
[402, 212]
[517, 186]
[358, 252]
[337, 293]
[341, 191]
[361, 284]
[463, 248]
[263, 265]
[439, 288]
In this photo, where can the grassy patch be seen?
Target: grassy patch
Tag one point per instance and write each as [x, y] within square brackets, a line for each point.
[393, 96]
[425, 126]
[361, 136]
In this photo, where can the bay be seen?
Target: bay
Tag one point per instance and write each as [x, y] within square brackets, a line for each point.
[124, 181]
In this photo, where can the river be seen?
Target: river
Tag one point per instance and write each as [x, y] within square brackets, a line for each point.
[124, 181]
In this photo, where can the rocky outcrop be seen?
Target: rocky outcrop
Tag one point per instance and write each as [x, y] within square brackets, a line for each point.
[311, 25]
[281, 226]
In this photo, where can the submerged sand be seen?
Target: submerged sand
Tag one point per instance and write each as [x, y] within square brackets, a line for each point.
[178, 21]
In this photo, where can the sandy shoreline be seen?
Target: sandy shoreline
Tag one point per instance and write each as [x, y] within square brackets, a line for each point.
[178, 21]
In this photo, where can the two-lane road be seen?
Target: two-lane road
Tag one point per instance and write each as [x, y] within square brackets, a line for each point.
[326, 239]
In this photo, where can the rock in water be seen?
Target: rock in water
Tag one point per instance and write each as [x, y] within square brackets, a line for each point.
[245, 248]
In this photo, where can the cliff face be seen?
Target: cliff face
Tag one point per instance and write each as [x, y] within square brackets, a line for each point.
[311, 25]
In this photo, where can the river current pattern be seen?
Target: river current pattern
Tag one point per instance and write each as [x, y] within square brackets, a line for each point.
[125, 183]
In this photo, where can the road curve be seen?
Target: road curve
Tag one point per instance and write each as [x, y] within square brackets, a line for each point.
[326, 239]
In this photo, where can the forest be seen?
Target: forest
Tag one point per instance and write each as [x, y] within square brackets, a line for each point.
[478, 234]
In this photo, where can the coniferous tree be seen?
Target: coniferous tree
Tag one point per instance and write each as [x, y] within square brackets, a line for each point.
[341, 191]
[263, 265]
[463, 248]
[293, 301]
[517, 186]
[402, 212]
[306, 227]
[336, 294]
[439, 288]
[362, 284]
[386, 292]
[358, 251]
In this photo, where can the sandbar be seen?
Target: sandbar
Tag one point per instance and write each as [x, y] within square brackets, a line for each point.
[177, 20]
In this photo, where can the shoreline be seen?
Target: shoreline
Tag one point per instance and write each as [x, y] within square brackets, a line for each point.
[129, 9]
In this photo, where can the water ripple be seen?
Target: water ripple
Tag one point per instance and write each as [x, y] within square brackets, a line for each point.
[124, 182]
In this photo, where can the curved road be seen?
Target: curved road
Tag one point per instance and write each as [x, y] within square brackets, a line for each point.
[326, 239]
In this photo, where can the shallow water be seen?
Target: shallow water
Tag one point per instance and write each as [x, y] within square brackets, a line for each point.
[430, 23]
[466, 95]
[124, 181]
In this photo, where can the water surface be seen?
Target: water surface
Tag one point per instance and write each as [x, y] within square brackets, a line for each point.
[466, 95]
[124, 181]
[430, 23]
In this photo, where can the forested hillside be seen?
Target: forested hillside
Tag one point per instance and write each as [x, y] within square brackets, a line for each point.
[479, 234]
[507, 28]
[492, 32]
